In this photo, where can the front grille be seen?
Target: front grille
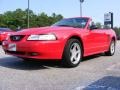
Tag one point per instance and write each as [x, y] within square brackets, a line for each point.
[16, 37]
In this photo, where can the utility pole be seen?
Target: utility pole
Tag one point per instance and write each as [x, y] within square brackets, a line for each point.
[81, 1]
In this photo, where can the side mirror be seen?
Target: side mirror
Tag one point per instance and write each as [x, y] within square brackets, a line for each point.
[92, 27]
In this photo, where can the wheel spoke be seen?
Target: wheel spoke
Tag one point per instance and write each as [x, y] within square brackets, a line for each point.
[75, 53]
[78, 52]
[72, 59]
[112, 47]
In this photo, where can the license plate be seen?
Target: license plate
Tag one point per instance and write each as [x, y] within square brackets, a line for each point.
[12, 47]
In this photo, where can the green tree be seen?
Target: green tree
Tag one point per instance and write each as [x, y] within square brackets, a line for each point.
[18, 18]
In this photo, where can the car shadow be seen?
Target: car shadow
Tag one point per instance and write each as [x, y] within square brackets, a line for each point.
[17, 63]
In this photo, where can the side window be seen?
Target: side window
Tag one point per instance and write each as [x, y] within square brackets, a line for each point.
[93, 26]
[90, 24]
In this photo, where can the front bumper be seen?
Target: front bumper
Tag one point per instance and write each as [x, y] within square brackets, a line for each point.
[36, 49]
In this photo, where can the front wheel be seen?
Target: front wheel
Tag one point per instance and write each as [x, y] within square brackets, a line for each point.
[72, 53]
[111, 51]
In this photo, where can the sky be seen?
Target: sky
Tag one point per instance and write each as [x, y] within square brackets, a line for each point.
[68, 8]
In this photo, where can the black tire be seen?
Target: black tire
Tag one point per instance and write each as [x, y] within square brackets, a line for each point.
[68, 59]
[111, 50]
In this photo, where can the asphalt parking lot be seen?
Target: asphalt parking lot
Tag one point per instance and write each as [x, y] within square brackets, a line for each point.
[96, 72]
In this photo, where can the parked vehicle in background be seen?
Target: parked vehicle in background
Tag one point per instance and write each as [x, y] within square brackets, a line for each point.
[4, 32]
[67, 40]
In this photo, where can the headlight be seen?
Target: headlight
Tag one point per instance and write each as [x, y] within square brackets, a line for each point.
[42, 37]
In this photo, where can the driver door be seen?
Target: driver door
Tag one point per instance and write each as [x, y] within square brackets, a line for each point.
[94, 41]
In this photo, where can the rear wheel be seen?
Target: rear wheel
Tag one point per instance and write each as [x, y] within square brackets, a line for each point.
[72, 53]
[111, 51]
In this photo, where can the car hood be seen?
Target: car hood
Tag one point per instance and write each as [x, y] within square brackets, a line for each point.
[43, 30]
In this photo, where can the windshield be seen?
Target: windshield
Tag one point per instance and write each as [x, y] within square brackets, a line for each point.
[72, 22]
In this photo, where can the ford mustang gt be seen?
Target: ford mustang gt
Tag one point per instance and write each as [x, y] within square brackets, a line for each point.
[68, 40]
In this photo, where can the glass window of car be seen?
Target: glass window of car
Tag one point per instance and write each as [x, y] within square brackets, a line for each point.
[72, 22]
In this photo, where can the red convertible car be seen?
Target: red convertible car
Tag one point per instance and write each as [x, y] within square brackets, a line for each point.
[67, 40]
